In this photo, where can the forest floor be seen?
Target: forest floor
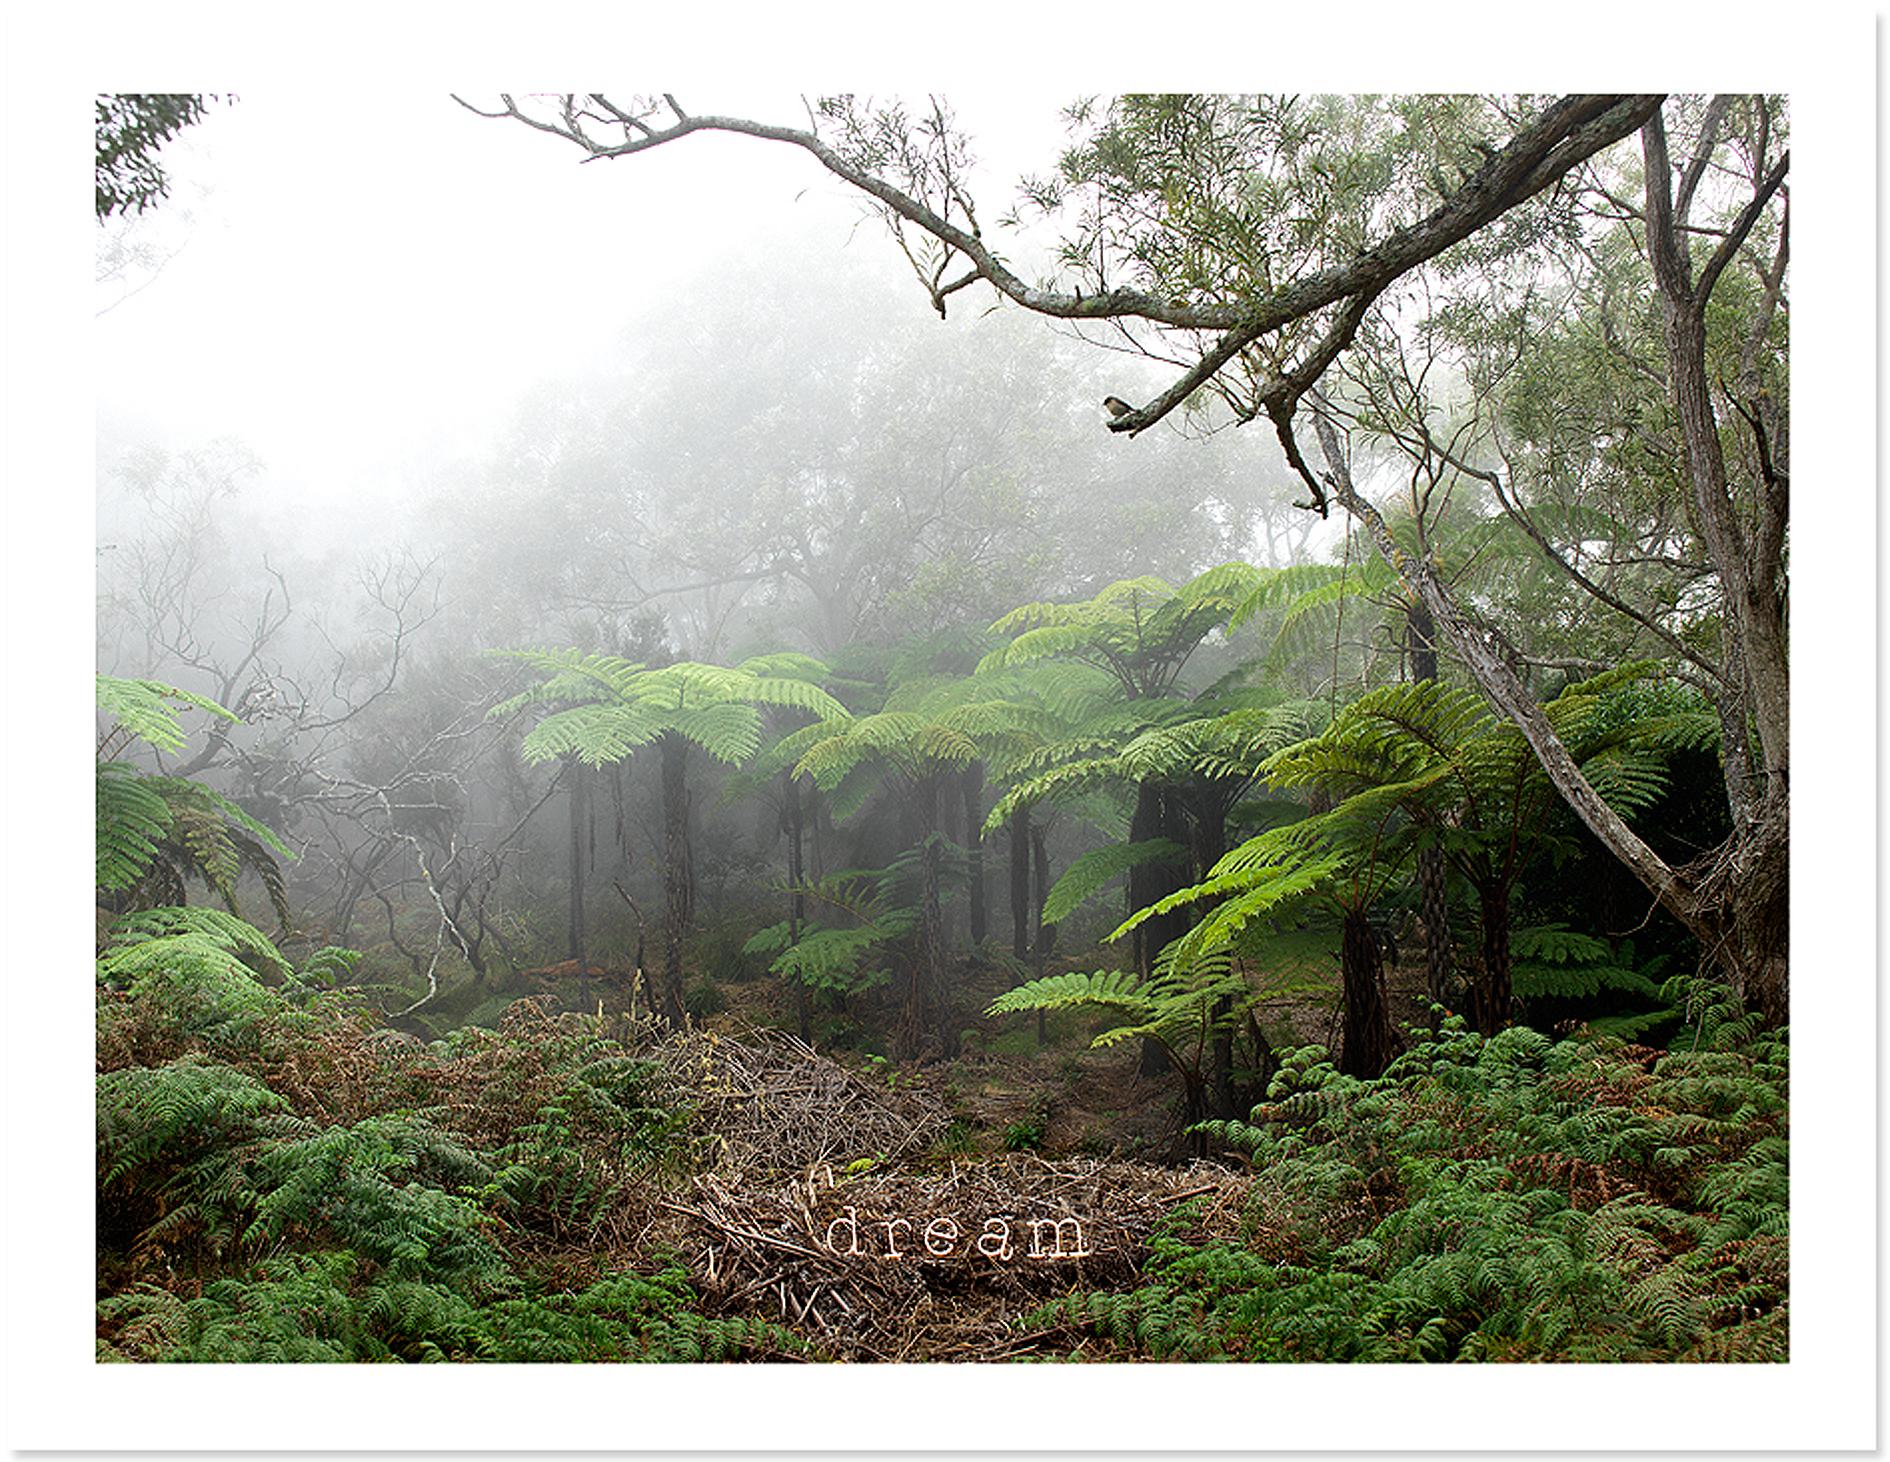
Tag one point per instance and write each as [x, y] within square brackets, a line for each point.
[287, 1180]
[1015, 1086]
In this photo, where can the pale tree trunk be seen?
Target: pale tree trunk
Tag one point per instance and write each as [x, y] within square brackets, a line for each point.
[1706, 902]
[1748, 879]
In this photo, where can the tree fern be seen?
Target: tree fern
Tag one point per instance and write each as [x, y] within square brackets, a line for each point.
[132, 817]
[156, 833]
[146, 709]
[1091, 872]
[612, 706]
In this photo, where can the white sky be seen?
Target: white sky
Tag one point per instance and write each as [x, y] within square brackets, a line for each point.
[364, 291]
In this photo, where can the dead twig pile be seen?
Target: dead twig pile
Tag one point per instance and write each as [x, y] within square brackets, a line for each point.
[821, 1204]
[770, 1106]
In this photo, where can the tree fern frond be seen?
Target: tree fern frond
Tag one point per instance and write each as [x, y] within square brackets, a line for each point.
[1114, 989]
[1089, 874]
[597, 734]
[145, 709]
[131, 817]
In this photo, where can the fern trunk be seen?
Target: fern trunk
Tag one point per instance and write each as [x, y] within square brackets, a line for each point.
[1155, 817]
[1020, 883]
[1209, 845]
[927, 986]
[1046, 933]
[1490, 998]
[1434, 909]
[574, 922]
[677, 883]
[974, 847]
[1368, 1043]
[1420, 639]
[797, 901]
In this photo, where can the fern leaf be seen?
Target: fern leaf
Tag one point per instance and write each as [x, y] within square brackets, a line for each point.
[1093, 870]
[144, 708]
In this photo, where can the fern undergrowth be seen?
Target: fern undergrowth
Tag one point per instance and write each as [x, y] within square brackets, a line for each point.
[280, 1179]
[1509, 1198]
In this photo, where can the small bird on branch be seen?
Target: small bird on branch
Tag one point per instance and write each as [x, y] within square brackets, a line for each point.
[1116, 406]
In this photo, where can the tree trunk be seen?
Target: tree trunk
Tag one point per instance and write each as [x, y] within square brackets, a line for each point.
[1490, 997]
[1154, 817]
[1749, 581]
[1434, 909]
[1420, 638]
[1751, 876]
[1368, 1044]
[928, 983]
[974, 847]
[797, 900]
[580, 812]
[1046, 933]
[677, 881]
[1020, 883]
[1209, 823]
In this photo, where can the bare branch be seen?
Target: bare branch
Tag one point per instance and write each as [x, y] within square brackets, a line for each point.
[1566, 134]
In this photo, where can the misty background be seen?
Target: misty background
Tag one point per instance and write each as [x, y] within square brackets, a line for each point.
[380, 394]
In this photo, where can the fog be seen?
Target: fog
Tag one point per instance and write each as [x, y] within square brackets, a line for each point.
[382, 393]
[358, 294]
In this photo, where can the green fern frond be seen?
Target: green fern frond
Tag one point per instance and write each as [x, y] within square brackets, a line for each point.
[131, 818]
[226, 931]
[598, 734]
[1111, 989]
[1093, 870]
[145, 709]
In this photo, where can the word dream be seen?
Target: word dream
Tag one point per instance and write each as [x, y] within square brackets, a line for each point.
[941, 1238]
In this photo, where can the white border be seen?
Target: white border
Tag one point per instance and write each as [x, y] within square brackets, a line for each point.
[60, 1399]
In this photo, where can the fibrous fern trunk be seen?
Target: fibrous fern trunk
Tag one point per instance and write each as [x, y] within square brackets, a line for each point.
[1149, 883]
[974, 846]
[1420, 638]
[1020, 883]
[1490, 997]
[927, 987]
[1209, 821]
[1367, 1045]
[1434, 909]
[1046, 933]
[580, 815]
[932, 935]
[796, 821]
[677, 884]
